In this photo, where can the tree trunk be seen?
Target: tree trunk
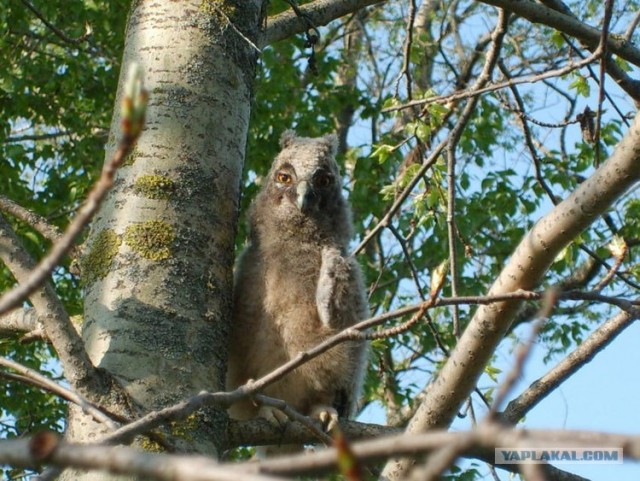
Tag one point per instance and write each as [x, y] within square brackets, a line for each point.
[158, 263]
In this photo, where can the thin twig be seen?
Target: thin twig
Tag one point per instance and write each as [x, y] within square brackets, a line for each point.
[443, 99]
[59, 33]
[602, 50]
[407, 255]
[36, 137]
[35, 378]
[221, 12]
[497, 38]
[399, 200]
[619, 251]
[528, 138]
[632, 26]
[406, 62]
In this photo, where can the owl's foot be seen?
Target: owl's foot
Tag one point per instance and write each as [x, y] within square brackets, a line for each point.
[327, 415]
[274, 415]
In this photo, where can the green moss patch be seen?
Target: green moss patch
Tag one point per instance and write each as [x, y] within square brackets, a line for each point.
[152, 239]
[154, 186]
[97, 262]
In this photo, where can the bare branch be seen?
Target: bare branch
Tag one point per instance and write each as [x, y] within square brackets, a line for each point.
[51, 312]
[21, 321]
[522, 353]
[471, 92]
[59, 33]
[479, 443]
[292, 414]
[36, 137]
[583, 354]
[259, 432]
[46, 448]
[484, 78]
[537, 13]
[319, 12]
[39, 223]
[33, 377]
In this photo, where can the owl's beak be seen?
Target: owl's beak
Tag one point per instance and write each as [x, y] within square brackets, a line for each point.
[304, 196]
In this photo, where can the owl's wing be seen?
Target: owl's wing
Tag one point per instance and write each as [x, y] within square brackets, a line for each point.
[338, 293]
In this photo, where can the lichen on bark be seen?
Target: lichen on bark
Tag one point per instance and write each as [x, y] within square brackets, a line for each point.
[97, 262]
[154, 186]
[131, 158]
[151, 239]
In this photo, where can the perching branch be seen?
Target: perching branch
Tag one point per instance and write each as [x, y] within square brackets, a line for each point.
[46, 448]
[480, 444]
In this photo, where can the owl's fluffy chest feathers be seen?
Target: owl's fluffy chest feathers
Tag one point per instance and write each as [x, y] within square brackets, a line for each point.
[295, 307]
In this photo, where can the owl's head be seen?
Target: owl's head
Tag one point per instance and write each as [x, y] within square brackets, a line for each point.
[303, 188]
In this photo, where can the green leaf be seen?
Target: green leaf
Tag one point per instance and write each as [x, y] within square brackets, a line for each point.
[382, 152]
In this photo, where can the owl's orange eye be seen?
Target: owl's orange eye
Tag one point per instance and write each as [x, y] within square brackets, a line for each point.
[283, 178]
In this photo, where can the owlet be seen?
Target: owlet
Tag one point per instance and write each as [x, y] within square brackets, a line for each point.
[295, 286]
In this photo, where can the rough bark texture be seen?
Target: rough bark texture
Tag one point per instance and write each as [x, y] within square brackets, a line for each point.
[159, 257]
[525, 269]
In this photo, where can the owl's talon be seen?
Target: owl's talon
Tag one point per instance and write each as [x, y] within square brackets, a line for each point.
[327, 415]
[274, 416]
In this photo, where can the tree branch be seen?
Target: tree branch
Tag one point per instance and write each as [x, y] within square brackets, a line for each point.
[319, 12]
[480, 444]
[46, 448]
[537, 13]
[21, 321]
[65, 339]
[59, 33]
[39, 223]
[627, 83]
[584, 353]
[33, 377]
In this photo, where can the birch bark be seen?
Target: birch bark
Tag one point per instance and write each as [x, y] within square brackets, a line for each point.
[158, 263]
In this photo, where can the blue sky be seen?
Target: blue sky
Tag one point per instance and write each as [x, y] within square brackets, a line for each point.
[602, 396]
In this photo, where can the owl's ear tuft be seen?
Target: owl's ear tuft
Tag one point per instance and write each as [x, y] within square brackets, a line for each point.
[287, 138]
[332, 142]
